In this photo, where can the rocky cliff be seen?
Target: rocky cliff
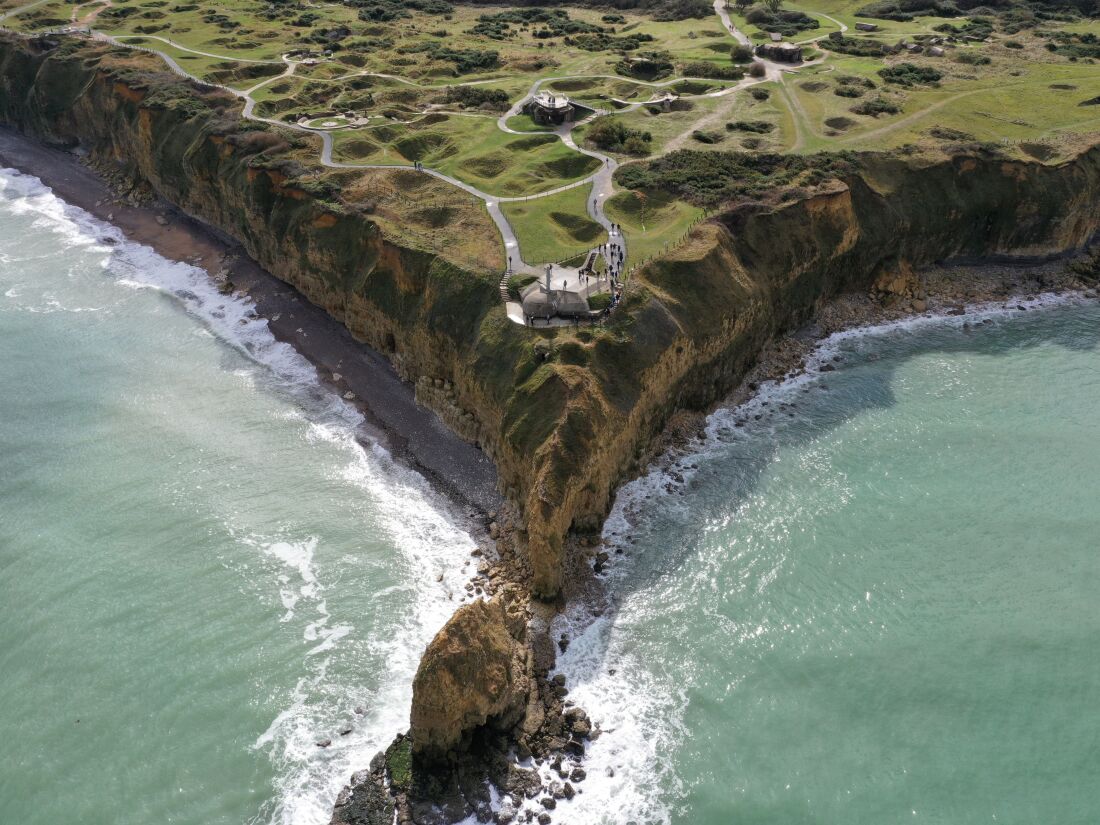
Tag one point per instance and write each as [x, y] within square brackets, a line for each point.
[567, 415]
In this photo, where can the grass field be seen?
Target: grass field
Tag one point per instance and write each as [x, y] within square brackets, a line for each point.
[429, 88]
[554, 228]
[650, 221]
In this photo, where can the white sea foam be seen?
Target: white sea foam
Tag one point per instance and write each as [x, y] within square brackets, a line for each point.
[433, 546]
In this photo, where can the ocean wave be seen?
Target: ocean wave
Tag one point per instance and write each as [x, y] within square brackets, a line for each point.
[434, 549]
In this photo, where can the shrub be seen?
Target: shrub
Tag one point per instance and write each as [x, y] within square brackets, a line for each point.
[972, 59]
[472, 97]
[855, 80]
[706, 137]
[647, 66]
[711, 177]
[760, 127]
[704, 68]
[613, 135]
[848, 91]
[876, 107]
[760, 94]
[856, 46]
[909, 74]
[786, 23]
[757, 70]
[741, 54]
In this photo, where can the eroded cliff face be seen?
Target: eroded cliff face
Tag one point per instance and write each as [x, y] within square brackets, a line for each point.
[566, 415]
[476, 672]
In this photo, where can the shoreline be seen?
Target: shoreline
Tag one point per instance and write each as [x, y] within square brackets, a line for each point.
[964, 293]
[415, 436]
[412, 434]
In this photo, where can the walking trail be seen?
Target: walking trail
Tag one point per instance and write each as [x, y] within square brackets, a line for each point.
[601, 182]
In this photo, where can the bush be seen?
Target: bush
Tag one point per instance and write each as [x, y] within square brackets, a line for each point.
[706, 137]
[707, 178]
[760, 127]
[848, 91]
[741, 54]
[760, 94]
[876, 107]
[855, 80]
[613, 135]
[909, 74]
[549, 23]
[972, 59]
[472, 97]
[1013, 44]
[757, 70]
[906, 10]
[646, 66]
[380, 11]
[704, 68]
[786, 23]
[855, 46]
[466, 61]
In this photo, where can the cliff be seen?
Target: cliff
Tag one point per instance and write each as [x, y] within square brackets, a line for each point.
[567, 415]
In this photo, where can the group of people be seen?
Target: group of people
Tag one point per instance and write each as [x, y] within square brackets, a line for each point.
[418, 166]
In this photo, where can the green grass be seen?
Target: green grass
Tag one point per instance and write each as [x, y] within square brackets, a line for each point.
[554, 228]
[525, 123]
[650, 222]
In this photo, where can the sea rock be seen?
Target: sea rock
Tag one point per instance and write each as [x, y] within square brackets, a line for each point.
[473, 674]
[364, 801]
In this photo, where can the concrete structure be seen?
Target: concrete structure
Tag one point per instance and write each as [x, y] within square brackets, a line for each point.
[550, 109]
[562, 293]
[665, 101]
[780, 52]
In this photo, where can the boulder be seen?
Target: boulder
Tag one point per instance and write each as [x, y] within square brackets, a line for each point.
[474, 675]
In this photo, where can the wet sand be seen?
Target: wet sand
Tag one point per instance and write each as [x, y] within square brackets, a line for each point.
[411, 433]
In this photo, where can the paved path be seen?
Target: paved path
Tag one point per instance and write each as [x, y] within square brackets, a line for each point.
[601, 182]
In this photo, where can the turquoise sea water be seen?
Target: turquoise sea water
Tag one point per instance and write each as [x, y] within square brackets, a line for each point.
[875, 605]
[202, 573]
[878, 605]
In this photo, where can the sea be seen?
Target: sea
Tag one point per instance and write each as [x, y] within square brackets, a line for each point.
[866, 596]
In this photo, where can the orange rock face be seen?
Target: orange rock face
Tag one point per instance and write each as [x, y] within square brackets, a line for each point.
[474, 674]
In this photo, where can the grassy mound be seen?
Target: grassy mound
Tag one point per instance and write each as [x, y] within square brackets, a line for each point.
[533, 142]
[579, 227]
[420, 146]
[434, 216]
[490, 165]
[570, 166]
[386, 134]
[358, 148]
